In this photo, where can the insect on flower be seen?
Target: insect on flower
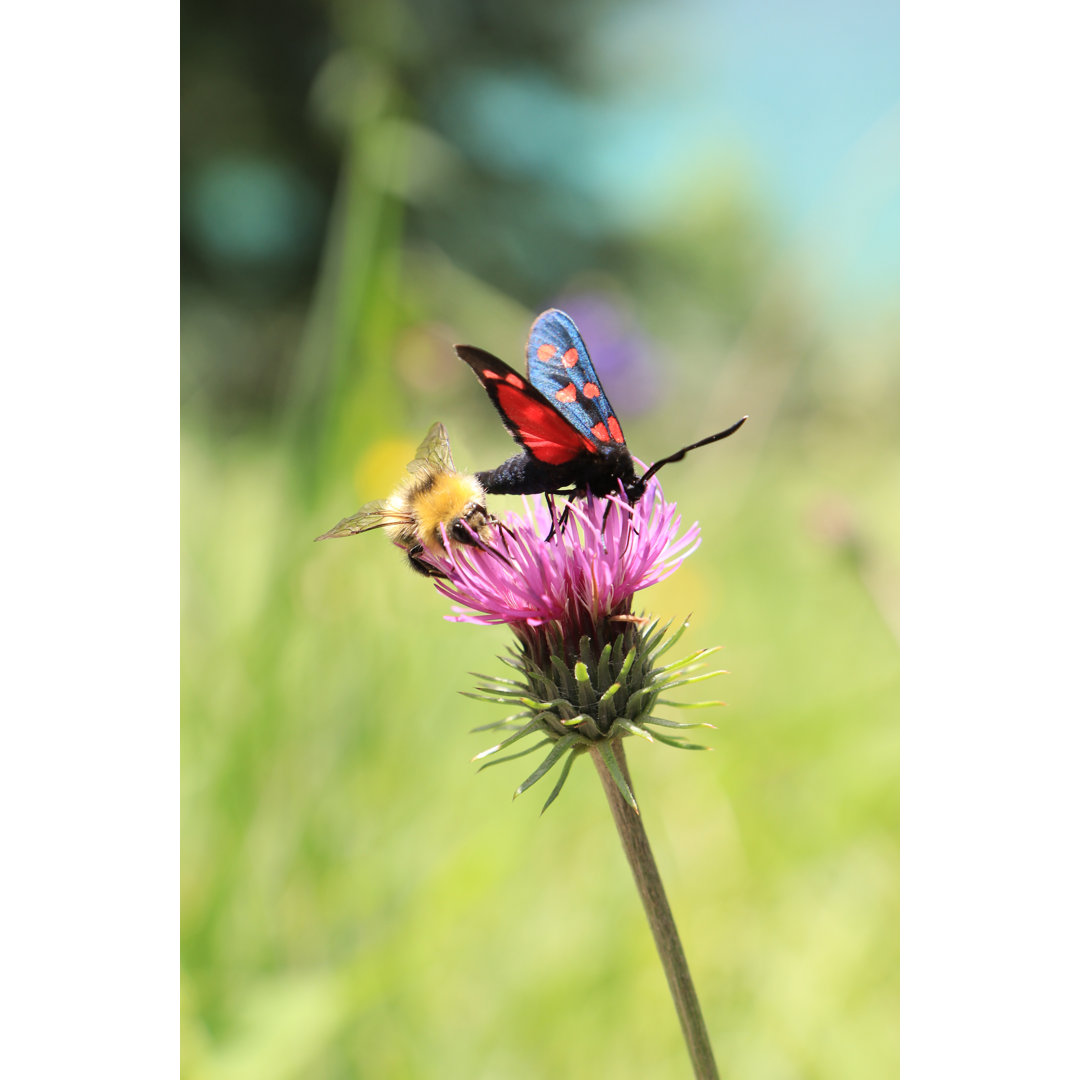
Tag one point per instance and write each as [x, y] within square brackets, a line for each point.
[433, 502]
[572, 441]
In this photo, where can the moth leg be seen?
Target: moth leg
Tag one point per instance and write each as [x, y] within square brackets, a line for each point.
[563, 516]
[626, 539]
[603, 521]
[549, 498]
[603, 525]
[630, 528]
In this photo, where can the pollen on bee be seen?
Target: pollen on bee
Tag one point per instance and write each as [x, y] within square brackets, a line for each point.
[443, 503]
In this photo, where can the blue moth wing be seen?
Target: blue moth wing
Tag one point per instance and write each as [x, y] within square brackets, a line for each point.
[560, 368]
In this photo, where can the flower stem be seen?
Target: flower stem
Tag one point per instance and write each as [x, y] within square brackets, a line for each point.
[647, 877]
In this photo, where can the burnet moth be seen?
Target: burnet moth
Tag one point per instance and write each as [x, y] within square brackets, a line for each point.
[571, 440]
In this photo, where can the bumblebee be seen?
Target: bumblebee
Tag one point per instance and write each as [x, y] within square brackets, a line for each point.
[432, 497]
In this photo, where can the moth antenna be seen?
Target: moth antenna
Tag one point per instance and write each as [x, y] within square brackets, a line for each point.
[680, 454]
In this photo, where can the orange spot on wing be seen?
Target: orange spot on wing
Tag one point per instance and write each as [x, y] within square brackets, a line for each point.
[546, 352]
[567, 393]
[591, 390]
[601, 432]
[570, 358]
[616, 431]
[515, 381]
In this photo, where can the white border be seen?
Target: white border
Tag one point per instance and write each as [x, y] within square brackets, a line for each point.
[989, 345]
[89, 766]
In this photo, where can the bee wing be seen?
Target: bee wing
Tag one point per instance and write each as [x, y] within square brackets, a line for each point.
[372, 515]
[433, 454]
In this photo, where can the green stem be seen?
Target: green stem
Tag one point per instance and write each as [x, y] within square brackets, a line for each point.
[647, 877]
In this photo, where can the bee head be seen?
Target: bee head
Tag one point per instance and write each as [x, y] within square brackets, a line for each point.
[470, 526]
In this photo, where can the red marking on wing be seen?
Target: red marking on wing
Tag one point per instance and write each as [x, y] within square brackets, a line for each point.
[616, 431]
[568, 393]
[546, 352]
[542, 430]
[570, 358]
[591, 390]
[515, 380]
[601, 432]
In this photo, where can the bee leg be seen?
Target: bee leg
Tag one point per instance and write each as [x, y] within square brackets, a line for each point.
[493, 551]
[507, 531]
[416, 561]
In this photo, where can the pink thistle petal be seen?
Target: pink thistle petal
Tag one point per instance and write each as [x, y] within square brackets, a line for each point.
[590, 569]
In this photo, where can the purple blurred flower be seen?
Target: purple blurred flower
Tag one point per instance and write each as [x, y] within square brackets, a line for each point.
[622, 352]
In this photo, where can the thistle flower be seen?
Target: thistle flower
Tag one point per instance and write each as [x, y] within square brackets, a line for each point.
[587, 667]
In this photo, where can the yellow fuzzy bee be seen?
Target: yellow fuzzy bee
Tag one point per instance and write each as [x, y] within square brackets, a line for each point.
[434, 496]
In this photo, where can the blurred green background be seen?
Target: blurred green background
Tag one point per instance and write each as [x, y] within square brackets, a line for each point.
[711, 191]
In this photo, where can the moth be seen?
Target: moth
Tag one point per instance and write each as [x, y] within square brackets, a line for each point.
[571, 439]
